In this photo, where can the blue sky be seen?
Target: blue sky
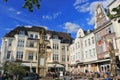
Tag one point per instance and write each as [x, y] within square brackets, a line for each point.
[59, 15]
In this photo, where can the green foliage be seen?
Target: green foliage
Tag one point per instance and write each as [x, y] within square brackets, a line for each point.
[116, 15]
[30, 4]
[14, 68]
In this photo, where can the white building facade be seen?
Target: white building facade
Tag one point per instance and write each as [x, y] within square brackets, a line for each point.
[83, 52]
[89, 52]
[21, 44]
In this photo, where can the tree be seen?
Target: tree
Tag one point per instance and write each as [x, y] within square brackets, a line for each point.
[29, 4]
[14, 68]
[116, 15]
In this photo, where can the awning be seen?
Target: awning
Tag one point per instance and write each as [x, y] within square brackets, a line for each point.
[90, 62]
[54, 65]
[34, 65]
[29, 64]
[103, 60]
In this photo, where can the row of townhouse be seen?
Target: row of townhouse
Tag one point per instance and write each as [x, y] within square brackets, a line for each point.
[21, 44]
[90, 49]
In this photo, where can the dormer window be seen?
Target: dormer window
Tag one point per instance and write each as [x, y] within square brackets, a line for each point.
[36, 36]
[99, 10]
[79, 34]
[31, 35]
[55, 37]
[22, 32]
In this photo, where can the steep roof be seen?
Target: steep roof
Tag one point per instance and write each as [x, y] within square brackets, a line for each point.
[36, 29]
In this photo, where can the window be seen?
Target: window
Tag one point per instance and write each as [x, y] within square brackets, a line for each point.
[63, 48]
[93, 40]
[98, 36]
[22, 32]
[67, 57]
[79, 55]
[89, 42]
[55, 46]
[79, 34]
[76, 56]
[36, 36]
[31, 35]
[100, 49]
[85, 43]
[90, 53]
[75, 45]
[8, 54]
[55, 37]
[108, 30]
[99, 10]
[63, 58]
[73, 57]
[102, 68]
[55, 57]
[21, 43]
[31, 44]
[19, 55]
[86, 55]
[10, 42]
[30, 56]
[78, 45]
[94, 53]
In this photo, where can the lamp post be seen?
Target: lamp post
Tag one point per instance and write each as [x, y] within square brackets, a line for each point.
[41, 57]
[112, 60]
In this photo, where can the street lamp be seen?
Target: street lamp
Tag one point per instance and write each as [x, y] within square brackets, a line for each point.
[112, 59]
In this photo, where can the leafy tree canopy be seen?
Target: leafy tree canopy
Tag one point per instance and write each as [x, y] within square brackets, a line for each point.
[13, 68]
[30, 4]
[116, 15]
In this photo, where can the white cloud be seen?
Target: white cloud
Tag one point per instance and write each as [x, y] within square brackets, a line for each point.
[92, 20]
[14, 11]
[83, 8]
[71, 27]
[45, 27]
[53, 16]
[79, 2]
[47, 17]
[18, 12]
[11, 9]
[8, 29]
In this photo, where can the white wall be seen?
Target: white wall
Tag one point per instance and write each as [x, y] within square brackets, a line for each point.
[89, 56]
[75, 49]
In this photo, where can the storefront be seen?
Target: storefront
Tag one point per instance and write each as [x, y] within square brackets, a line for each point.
[104, 65]
[55, 67]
